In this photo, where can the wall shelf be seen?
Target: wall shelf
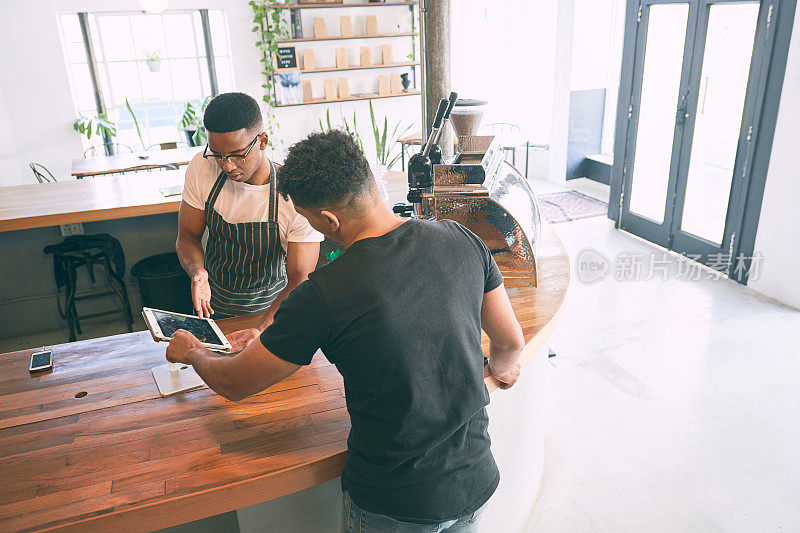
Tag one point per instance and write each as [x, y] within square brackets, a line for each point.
[384, 36]
[352, 98]
[411, 61]
[332, 5]
[356, 67]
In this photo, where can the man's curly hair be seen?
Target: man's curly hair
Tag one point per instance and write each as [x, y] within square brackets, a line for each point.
[325, 170]
[232, 112]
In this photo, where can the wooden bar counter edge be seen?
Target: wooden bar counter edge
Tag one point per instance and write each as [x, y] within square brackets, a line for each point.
[92, 446]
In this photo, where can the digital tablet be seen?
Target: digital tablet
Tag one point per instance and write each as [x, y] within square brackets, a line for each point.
[163, 324]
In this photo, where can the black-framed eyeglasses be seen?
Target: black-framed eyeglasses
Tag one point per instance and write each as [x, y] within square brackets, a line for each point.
[235, 159]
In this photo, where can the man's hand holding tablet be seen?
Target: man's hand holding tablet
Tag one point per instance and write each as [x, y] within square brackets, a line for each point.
[164, 324]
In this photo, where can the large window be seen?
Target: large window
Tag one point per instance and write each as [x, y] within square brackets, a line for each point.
[124, 45]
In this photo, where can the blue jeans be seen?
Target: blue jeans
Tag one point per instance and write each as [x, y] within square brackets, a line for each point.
[356, 520]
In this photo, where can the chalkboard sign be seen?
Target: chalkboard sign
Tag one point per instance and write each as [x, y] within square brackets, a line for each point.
[286, 58]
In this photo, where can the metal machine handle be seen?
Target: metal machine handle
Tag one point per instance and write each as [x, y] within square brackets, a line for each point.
[450, 104]
[437, 125]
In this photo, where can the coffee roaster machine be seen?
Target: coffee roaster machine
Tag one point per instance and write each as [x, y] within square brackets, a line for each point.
[481, 191]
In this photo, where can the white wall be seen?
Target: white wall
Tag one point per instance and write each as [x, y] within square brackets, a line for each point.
[780, 217]
[559, 136]
[37, 110]
[588, 55]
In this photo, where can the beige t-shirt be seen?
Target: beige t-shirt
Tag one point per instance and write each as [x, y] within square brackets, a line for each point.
[242, 202]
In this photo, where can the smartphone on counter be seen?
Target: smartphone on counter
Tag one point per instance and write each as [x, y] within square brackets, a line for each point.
[41, 360]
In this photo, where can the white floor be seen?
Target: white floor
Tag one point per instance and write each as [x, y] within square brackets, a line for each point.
[674, 405]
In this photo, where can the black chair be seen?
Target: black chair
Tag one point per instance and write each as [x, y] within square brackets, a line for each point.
[87, 251]
[117, 148]
[38, 172]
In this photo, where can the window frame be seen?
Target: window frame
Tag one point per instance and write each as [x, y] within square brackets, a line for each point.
[95, 56]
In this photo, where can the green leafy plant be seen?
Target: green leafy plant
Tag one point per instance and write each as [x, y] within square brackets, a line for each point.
[385, 144]
[99, 125]
[269, 27]
[193, 119]
[135, 123]
[345, 126]
[152, 57]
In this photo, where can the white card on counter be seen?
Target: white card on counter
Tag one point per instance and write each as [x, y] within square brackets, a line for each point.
[180, 380]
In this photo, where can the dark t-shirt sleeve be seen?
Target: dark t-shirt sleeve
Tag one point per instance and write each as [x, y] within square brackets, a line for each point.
[493, 277]
[300, 326]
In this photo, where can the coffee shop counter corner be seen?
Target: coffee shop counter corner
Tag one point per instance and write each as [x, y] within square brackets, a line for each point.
[92, 446]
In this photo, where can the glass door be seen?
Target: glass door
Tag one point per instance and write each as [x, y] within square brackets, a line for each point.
[696, 90]
[654, 135]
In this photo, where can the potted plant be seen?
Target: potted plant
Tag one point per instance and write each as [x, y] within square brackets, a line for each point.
[385, 144]
[345, 126]
[99, 124]
[192, 122]
[153, 60]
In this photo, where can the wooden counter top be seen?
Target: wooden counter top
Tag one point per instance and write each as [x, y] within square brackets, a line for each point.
[121, 457]
[108, 197]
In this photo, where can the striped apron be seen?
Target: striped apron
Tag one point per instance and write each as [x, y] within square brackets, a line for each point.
[245, 262]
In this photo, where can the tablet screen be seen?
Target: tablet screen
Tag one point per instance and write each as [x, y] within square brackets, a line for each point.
[199, 327]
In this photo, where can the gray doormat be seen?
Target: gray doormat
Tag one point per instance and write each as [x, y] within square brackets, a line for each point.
[570, 205]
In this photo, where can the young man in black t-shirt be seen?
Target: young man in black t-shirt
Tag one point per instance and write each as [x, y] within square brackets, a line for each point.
[400, 315]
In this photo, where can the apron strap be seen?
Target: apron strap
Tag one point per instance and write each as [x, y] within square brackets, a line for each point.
[215, 190]
[273, 192]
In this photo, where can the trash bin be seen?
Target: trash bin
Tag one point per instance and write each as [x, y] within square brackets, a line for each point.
[163, 284]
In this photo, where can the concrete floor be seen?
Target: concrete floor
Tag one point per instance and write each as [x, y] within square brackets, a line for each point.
[673, 404]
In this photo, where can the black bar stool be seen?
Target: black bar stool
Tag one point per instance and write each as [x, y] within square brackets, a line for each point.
[74, 253]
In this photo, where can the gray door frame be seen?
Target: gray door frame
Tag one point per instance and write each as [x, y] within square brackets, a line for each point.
[705, 251]
[752, 158]
[630, 221]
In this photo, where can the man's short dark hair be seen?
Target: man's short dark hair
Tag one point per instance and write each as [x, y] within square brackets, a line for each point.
[325, 170]
[232, 112]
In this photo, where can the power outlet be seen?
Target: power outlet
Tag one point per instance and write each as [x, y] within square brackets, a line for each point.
[71, 229]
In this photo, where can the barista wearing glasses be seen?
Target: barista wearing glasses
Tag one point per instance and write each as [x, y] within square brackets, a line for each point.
[259, 248]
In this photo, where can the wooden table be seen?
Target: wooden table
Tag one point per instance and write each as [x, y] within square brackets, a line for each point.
[94, 166]
[122, 457]
[67, 202]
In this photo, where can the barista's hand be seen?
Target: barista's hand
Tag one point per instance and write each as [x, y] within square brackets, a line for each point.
[179, 346]
[506, 377]
[243, 337]
[201, 294]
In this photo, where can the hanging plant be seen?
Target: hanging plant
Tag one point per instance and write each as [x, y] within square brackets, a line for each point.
[269, 27]
[153, 60]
